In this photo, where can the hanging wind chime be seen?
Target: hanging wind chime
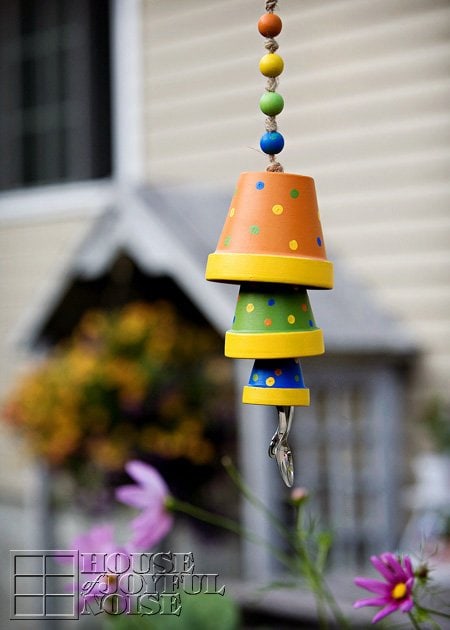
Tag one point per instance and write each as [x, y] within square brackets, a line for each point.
[272, 245]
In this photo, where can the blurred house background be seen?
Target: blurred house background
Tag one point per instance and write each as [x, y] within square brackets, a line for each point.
[124, 127]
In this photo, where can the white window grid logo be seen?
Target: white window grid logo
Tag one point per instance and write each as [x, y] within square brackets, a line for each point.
[44, 584]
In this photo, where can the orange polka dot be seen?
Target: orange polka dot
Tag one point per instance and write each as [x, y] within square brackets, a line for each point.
[268, 322]
[304, 308]
[278, 372]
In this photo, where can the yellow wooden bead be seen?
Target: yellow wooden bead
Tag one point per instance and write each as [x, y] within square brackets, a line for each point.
[271, 65]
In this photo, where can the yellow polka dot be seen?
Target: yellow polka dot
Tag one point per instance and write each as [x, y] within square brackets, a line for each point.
[270, 381]
[291, 319]
[250, 308]
[232, 211]
[293, 245]
[277, 209]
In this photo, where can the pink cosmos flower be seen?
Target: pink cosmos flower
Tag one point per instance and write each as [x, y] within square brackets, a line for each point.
[96, 581]
[150, 495]
[393, 594]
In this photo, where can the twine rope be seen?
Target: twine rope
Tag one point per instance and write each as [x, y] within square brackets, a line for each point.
[271, 5]
[271, 86]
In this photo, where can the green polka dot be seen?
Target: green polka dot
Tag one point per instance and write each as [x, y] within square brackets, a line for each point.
[255, 378]
[254, 229]
[294, 193]
[227, 241]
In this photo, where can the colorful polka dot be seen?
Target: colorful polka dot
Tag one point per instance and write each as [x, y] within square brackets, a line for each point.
[232, 212]
[319, 241]
[271, 302]
[293, 245]
[311, 323]
[277, 209]
[270, 381]
[227, 241]
[255, 378]
[259, 185]
[304, 307]
[291, 319]
[278, 372]
[296, 378]
[268, 322]
[250, 307]
[294, 193]
[254, 229]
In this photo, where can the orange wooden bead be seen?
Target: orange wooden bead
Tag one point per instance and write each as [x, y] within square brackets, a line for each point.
[269, 25]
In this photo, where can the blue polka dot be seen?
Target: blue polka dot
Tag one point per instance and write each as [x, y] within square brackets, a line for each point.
[311, 323]
[234, 319]
[271, 302]
[259, 185]
[319, 241]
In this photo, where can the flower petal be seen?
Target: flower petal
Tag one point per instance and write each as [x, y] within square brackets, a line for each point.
[381, 567]
[394, 564]
[375, 586]
[406, 605]
[372, 601]
[408, 567]
[148, 477]
[99, 538]
[149, 528]
[384, 612]
[132, 495]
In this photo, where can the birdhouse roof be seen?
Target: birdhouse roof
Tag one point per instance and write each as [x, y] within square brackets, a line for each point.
[171, 230]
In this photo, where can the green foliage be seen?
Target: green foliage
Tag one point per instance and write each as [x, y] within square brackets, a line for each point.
[437, 420]
[205, 611]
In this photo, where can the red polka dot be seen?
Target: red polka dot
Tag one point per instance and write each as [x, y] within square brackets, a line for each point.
[304, 308]
[268, 322]
[278, 372]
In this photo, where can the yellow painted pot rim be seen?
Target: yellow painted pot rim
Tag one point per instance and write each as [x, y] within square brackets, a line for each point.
[238, 267]
[276, 396]
[276, 345]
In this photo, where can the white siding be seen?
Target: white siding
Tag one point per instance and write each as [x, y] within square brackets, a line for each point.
[31, 256]
[367, 91]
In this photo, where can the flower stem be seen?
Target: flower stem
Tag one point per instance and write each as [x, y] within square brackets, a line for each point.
[253, 499]
[232, 526]
[438, 613]
[414, 621]
[314, 576]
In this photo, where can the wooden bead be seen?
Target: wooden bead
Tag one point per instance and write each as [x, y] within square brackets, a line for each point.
[272, 142]
[269, 25]
[271, 103]
[271, 65]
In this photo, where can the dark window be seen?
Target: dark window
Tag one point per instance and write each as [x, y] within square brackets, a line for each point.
[55, 91]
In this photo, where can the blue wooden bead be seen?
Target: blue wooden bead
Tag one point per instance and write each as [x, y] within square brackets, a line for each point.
[272, 142]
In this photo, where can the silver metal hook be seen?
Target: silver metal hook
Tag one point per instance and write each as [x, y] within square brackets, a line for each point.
[279, 448]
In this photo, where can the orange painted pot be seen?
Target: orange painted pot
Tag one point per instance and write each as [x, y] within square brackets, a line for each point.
[272, 233]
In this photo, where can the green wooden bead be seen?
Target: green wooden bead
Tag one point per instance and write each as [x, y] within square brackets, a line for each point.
[271, 103]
